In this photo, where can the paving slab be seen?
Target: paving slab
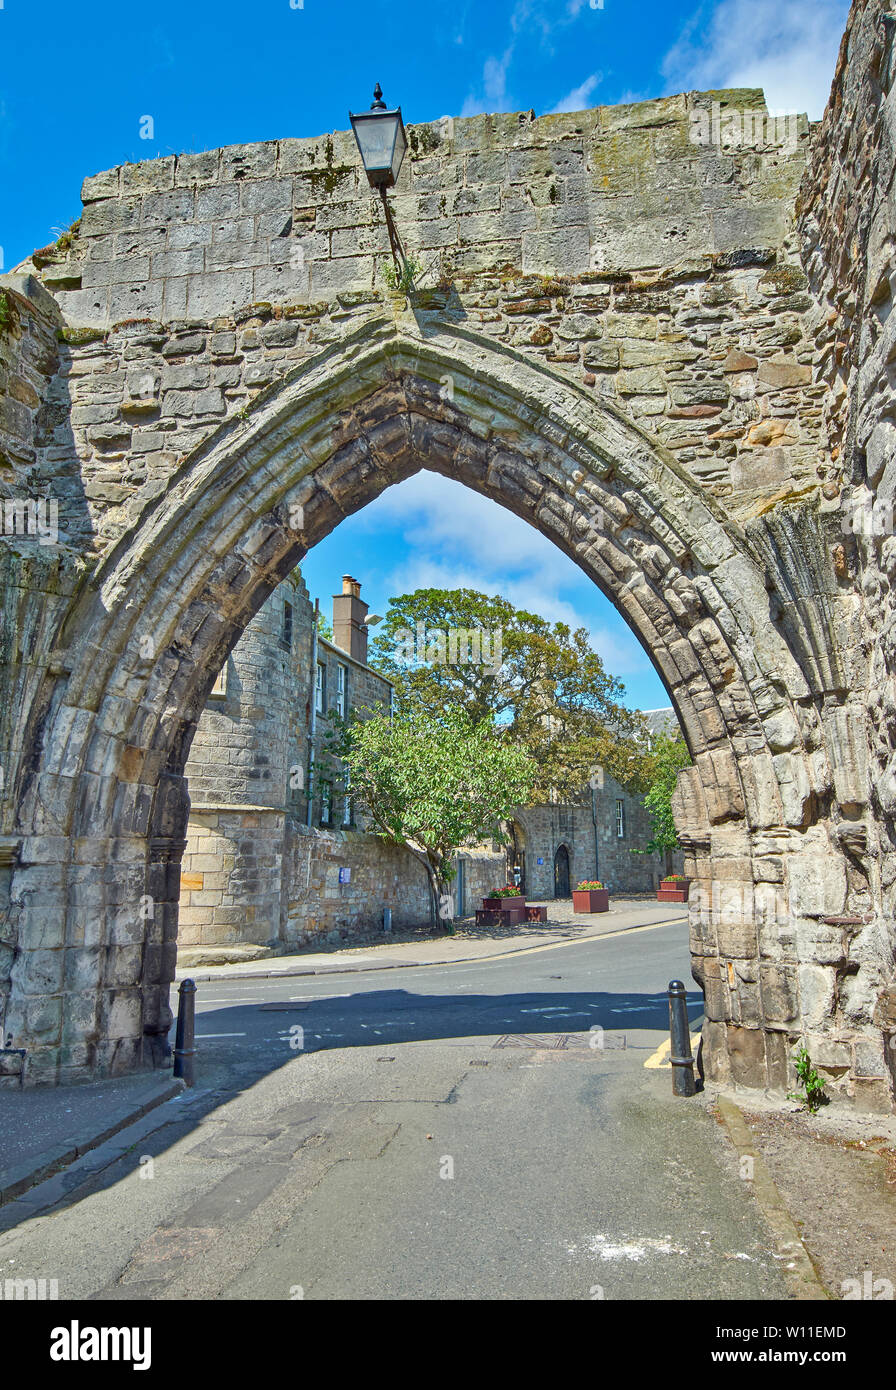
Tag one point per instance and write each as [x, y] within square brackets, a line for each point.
[42, 1128]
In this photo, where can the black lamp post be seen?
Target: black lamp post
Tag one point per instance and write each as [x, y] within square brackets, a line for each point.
[382, 141]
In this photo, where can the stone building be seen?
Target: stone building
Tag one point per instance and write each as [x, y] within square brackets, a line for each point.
[273, 857]
[277, 856]
[601, 836]
[667, 348]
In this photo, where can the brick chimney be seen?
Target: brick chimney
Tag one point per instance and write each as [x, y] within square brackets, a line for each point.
[349, 612]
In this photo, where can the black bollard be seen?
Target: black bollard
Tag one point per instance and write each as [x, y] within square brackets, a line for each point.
[185, 1037]
[683, 1083]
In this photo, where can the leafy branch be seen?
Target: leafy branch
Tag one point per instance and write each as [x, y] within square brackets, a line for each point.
[812, 1094]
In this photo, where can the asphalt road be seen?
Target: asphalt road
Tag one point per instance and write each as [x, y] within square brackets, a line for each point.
[477, 1131]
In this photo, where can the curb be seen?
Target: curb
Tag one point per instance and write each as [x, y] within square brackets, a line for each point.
[798, 1267]
[415, 965]
[45, 1165]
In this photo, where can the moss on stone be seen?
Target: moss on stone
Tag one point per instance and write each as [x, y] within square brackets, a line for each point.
[328, 179]
[261, 310]
[80, 337]
[8, 313]
[305, 311]
[783, 279]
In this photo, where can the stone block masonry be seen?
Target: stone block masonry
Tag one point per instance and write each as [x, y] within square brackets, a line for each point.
[199, 295]
[654, 350]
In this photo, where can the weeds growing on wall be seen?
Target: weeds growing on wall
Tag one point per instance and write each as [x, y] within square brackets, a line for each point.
[812, 1094]
[7, 312]
[403, 281]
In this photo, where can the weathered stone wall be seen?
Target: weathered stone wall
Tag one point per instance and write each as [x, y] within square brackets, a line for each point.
[847, 219]
[239, 785]
[615, 339]
[659, 272]
[545, 828]
[365, 690]
[253, 872]
[485, 868]
[321, 909]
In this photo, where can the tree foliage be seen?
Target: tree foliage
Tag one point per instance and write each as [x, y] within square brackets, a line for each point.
[432, 782]
[667, 756]
[543, 682]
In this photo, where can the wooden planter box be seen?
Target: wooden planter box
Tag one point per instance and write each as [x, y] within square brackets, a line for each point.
[591, 900]
[504, 917]
[669, 892]
[503, 904]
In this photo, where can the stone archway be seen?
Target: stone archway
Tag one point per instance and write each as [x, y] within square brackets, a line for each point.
[562, 883]
[103, 804]
[516, 854]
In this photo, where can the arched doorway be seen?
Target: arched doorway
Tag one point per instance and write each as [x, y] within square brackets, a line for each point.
[516, 855]
[101, 780]
[561, 872]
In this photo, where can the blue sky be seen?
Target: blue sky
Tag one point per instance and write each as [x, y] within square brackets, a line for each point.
[76, 81]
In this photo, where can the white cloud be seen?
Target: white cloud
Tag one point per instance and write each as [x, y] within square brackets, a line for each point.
[787, 47]
[493, 96]
[535, 22]
[460, 539]
[579, 98]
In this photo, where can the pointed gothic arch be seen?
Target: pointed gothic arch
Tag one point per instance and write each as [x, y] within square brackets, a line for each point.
[102, 795]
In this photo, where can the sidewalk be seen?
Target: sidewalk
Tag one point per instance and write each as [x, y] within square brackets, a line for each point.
[46, 1128]
[468, 943]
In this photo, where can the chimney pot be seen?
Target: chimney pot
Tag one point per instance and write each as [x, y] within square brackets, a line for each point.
[349, 612]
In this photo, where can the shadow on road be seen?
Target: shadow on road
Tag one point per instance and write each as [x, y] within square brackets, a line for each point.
[238, 1045]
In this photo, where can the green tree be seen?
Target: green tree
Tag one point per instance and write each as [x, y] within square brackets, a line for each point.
[432, 783]
[542, 681]
[667, 756]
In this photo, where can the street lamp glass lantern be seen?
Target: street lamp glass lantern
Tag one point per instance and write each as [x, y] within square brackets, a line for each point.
[382, 141]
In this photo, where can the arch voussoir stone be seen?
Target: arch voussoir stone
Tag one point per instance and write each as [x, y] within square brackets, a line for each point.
[148, 637]
[660, 426]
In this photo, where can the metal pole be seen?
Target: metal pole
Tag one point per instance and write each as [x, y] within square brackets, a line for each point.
[185, 1037]
[398, 256]
[683, 1083]
[312, 720]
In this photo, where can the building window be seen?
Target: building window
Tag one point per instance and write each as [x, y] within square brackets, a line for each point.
[341, 688]
[620, 820]
[219, 689]
[286, 627]
[320, 688]
[326, 803]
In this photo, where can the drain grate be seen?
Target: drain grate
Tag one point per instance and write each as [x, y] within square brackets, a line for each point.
[557, 1042]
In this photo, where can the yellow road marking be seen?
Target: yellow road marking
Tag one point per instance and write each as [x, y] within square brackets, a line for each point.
[660, 1058]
